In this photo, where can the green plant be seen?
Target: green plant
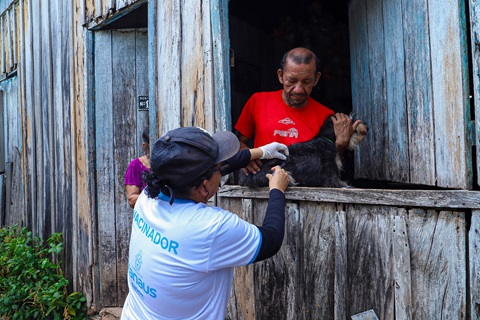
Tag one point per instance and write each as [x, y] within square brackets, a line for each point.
[31, 285]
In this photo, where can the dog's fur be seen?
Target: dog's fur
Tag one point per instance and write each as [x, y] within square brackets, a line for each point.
[314, 163]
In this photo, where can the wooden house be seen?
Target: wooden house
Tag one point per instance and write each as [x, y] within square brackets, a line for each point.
[81, 79]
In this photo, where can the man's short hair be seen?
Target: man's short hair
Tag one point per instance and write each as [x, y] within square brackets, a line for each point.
[300, 58]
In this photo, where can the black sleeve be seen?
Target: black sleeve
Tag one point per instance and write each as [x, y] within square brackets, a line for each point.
[238, 161]
[273, 228]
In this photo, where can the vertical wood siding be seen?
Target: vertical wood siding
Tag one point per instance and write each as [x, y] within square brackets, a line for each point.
[118, 126]
[338, 260]
[67, 159]
[411, 86]
[51, 179]
[474, 14]
[182, 89]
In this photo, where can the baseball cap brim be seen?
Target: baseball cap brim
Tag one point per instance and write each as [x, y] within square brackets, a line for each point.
[228, 145]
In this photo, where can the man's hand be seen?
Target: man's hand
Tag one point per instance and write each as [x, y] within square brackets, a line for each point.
[343, 129]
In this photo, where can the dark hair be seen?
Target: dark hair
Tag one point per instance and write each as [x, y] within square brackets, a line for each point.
[146, 136]
[155, 185]
[300, 58]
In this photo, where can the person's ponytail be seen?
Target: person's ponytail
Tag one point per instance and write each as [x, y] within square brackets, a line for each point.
[154, 184]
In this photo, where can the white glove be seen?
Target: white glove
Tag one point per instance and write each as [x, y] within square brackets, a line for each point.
[274, 150]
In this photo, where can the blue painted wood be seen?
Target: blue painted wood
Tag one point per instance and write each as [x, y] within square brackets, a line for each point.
[361, 90]
[377, 102]
[397, 165]
[419, 92]
[5, 4]
[474, 16]
[221, 67]
[153, 118]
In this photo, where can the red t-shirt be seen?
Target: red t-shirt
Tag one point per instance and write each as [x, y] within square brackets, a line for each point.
[267, 117]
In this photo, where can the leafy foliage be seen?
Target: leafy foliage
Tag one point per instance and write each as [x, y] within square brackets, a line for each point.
[31, 285]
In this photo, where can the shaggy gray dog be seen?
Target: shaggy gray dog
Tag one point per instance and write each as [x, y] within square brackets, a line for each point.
[314, 163]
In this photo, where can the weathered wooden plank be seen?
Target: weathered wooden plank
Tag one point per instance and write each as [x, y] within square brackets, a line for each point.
[14, 142]
[47, 186]
[221, 64]
[4, 4]
[141, 86]
[38, 228]
[341, 266]
[361, 91]
[402, 198]
[2, 47]
[370, 261]
[272, 276]
[401, 265]
[104, 143]
[474, 264]
[15, 201]
[8, 194]
[84, 199]
[396, 123]
[2, 198]
[16, 26]
[124, 112]
[3, 138]
[449, 89]
[61, 69]
[437, 244]
[27, 102]
[315, 264]
[7, 23]
[167, 113]
[191, 64]
[13, 145]
[377, 102]
[153, 66]
[241, 304]
[120, 4]
[208, 69]
[419, 92]
[474, 16]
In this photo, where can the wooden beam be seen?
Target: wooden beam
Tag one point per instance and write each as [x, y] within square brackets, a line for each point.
[454, 199]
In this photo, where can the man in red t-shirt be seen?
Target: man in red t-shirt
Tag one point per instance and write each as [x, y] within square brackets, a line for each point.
[290, 115]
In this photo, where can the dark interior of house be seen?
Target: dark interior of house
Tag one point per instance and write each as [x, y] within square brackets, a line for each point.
[319, 25]
[262, 31]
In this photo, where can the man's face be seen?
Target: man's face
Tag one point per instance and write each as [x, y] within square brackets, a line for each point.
[298, 81]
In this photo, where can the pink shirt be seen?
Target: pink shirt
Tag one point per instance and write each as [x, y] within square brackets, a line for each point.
[133, 175]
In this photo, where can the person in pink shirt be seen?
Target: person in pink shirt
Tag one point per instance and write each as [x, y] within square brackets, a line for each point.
[133, 176]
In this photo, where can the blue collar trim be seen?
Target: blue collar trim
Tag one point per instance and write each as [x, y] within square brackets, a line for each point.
[166, 198]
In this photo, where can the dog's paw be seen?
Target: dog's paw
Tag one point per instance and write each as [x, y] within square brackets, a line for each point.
[358, 136]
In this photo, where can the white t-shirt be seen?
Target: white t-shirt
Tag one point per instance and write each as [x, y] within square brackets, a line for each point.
[181, 259]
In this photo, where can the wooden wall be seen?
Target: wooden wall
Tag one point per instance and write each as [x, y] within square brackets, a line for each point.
[50, 49]
[190, 82]
[474, 15]
[414, 256]
[410, 83]
[121, 76]
[47, 48]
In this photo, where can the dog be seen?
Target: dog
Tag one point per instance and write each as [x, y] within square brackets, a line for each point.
[314, 163]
